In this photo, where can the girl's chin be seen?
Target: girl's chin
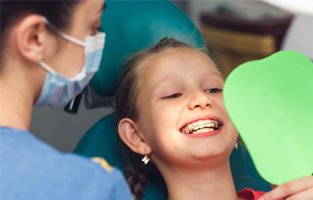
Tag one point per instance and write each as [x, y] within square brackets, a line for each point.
[211, 155]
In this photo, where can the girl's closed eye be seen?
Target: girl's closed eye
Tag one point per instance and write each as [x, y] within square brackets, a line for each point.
[172, 96]
[213, 90]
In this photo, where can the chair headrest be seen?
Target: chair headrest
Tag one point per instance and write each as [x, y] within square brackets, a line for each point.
[131, 26]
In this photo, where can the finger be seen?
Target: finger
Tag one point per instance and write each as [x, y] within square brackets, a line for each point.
[289, 188]
[306, 194]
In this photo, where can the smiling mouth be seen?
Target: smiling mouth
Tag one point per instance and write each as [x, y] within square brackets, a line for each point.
[201, 126]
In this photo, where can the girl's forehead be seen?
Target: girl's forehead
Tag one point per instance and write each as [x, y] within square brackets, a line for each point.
[168, 68]
[176, 59]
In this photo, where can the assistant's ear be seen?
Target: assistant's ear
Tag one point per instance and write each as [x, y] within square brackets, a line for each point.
[30, 35]
[131, 136]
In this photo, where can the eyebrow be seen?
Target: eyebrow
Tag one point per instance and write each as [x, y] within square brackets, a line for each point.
[162, 82]
[218, 74]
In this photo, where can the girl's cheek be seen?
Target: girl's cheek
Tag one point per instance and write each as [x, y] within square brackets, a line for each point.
[220, 104]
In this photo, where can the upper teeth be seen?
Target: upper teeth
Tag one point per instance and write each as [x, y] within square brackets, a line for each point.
[209, 124]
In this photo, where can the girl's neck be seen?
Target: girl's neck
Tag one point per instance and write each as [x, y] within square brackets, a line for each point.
[211, 183]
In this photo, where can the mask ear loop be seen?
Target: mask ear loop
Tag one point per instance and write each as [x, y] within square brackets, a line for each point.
[64, 35]
[46, 67]
[70, 38]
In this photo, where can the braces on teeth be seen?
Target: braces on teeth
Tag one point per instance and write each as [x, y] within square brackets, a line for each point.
[190, 128]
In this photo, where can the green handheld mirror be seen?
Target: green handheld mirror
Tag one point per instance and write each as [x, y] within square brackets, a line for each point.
[270, 102]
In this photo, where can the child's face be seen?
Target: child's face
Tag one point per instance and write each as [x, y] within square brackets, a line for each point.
[178, 88]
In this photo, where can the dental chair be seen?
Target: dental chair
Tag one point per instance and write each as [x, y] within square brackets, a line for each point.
[130, 27]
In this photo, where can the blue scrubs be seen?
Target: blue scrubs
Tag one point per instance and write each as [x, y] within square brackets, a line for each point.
[31, 169]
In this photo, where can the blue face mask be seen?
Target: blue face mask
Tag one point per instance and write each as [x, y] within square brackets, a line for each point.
[58, 90]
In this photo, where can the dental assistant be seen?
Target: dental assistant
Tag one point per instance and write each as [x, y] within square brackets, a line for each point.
[49, 52]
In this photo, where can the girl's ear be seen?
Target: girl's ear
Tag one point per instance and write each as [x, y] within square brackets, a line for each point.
[131, 136]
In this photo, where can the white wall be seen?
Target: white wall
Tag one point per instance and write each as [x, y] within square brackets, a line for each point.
[300, 35]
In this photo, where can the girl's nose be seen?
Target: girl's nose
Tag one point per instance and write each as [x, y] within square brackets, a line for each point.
[200, 100]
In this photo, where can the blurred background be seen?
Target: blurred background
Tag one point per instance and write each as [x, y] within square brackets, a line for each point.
[235, 30]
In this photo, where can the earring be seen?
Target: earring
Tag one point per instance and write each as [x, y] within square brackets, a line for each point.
[236, 146]
[145, 159]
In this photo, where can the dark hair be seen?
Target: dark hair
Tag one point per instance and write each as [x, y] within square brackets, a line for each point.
[125, 107]
[59, 13]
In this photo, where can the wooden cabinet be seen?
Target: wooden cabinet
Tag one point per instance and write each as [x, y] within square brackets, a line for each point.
[233, 41]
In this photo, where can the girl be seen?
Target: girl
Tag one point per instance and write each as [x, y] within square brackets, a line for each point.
[171, 111]
[38, 41]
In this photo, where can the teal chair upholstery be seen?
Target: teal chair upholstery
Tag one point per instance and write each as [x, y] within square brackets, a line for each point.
[130, 27]
[134, 25]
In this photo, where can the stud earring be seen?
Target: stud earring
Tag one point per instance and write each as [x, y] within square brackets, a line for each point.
[145, 159]
[236, 146]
